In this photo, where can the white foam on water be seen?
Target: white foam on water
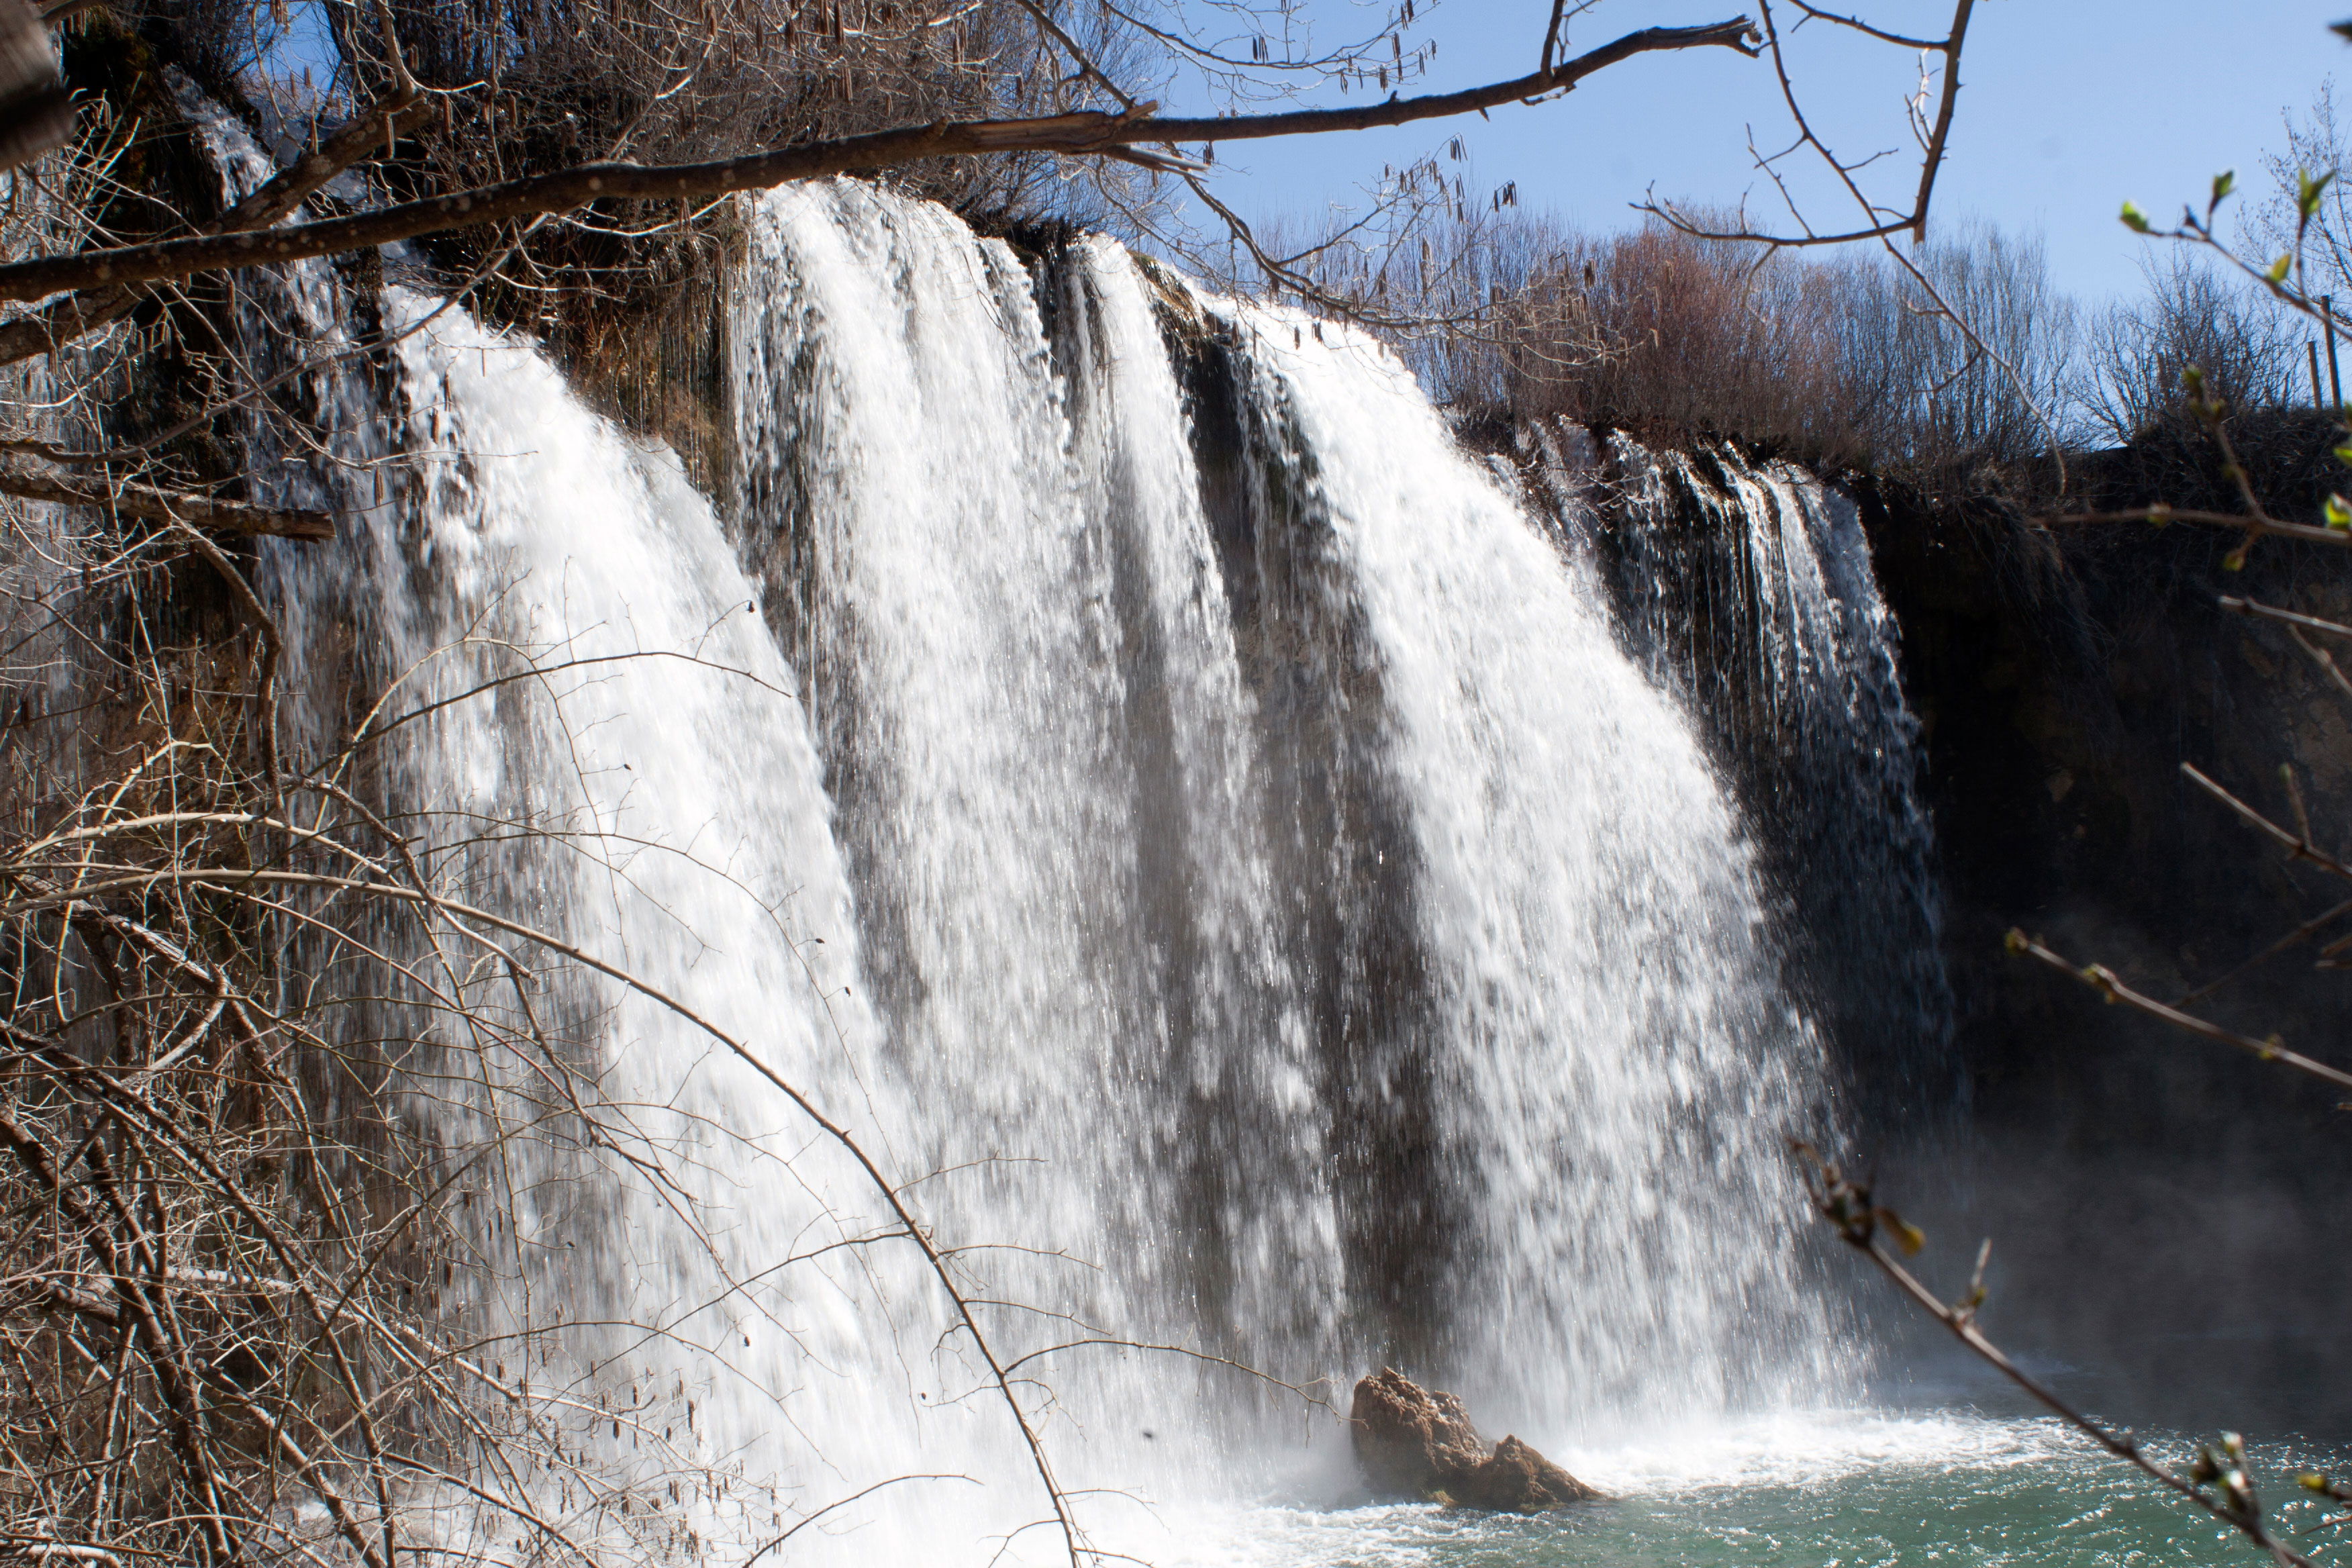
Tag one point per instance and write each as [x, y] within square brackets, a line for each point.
[1812, 1448]
[1676, 1481]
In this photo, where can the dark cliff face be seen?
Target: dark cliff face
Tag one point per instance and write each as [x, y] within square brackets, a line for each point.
[2161, 1206]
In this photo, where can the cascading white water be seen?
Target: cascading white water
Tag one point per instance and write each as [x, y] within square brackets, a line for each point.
[1001, 583]
[1608, 1071]
[1797, 658]
[605, 731]
[1037, 834]
[672, 748]
[1617, 1072]
[590, 728]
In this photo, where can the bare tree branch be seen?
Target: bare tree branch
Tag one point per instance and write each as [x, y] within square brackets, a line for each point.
[77, 315]
[1859, 1222]
[2103, 980]
[1815, 12]
[1934, 161]
[1932, 150]
[1080, 135]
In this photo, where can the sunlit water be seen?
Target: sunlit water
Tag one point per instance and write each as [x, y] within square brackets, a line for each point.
[1827, 1489]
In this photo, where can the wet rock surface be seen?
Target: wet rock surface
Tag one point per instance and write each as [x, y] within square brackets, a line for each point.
[1411, 1441]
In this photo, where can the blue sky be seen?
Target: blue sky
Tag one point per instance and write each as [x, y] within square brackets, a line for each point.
[2067, 108]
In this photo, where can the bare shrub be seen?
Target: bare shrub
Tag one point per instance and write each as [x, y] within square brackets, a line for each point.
[2137, 353]
[1655, 332]
[1652, 330]
[217, 1297]
[1926, 395]
[1843, 361]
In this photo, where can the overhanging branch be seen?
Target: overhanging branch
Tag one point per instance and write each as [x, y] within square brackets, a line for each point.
[1078, 135]
[77, 315]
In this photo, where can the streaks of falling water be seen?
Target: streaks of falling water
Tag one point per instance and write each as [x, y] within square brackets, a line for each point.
[1749, 587]
[1607, 1065]
[588, 729]
[999, 577]
[771, 1358]
[1613, 1066]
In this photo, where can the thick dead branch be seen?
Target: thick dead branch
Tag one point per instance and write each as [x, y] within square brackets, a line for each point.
[2298, 846]
[77, 315]
[151, 505]
[54, 325]
[370, 131]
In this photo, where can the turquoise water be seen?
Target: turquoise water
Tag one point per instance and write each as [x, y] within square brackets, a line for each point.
[1826, 1489]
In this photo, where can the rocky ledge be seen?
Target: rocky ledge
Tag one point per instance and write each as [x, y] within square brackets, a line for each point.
[1412, 1442]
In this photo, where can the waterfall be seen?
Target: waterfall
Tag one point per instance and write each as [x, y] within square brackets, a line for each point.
[614, 747]
[1746, 586]
[999, 578]
[1611, 1068]
[1561, 1065]
[1112, 751]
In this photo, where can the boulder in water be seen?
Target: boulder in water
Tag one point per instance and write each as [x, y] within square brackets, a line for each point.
[1515, 1479]
[1408, 1439]
[1415, 1442]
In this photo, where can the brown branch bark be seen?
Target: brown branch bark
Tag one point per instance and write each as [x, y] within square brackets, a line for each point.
[125, 1278]
[1876, 222]
[77, 315]
[151, 505]
[66, 1298]
[80, 314]
[394, 115]
[1814, 13]
[1078, 135]
[2288, 617]
[1934, 161]
[2103, 980]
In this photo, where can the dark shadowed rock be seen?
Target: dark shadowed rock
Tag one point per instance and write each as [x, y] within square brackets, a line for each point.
[1414, 1442]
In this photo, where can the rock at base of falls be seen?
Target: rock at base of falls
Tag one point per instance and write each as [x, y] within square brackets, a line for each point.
[1408, 1440]
[1414, 1442]
[1515, 1479]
